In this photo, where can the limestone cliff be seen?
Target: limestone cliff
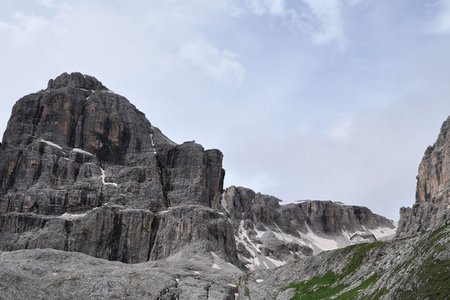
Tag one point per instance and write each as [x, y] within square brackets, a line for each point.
[269, 234]
[432, 207]
[81, 169]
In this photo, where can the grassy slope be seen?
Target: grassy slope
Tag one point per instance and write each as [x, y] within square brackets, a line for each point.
[428, 280]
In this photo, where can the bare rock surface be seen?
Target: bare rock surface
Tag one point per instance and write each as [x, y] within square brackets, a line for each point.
[432, 206]
[82, 169]
[269, 234]
[408, 268]
[52, 274]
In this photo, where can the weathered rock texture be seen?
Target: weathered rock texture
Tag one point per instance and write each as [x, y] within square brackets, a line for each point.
[77, 148]
[410, 268]
[432, 206]
[270, 234]
[51, 274]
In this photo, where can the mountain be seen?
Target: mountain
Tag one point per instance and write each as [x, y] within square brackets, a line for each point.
[432, 207]
[83, 170]
[96, 202]
[414, 265]
[412, 268]
[269, 234]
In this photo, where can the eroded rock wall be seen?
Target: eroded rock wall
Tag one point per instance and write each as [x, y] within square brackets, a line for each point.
[78, 149]
[432, 206]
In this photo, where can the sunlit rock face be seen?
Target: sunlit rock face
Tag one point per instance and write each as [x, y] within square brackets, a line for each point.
[432, 207]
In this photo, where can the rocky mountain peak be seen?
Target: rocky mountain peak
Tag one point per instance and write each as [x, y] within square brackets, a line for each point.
[76, 80]
[84, 170]
[432, 207]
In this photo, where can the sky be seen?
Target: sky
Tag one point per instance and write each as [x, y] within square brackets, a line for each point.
[307, 99]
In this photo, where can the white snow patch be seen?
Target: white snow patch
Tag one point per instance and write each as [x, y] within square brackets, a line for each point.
[220, 264]
[77, 150]
[51, 144]
[383, 232]
[153, 143]
[232, 285]
[282, 236]
[55, 274]
[224, 204]
[71, 217]
[259, 280]
[319, 242]
[277, 263]
[103, 176]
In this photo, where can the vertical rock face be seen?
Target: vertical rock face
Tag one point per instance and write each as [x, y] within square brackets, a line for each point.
[432, 206]
[78, 149]
[192, 175]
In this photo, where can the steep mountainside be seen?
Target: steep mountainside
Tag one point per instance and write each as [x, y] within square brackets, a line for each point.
[269, 234]
[415, 269]
[432, 206]
[124, 212]
[83, 170]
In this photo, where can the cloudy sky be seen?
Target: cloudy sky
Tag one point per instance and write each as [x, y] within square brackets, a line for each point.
[307, 99]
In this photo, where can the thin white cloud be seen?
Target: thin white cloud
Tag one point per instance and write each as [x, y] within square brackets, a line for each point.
[441, 23]
[329, 29]
[47, 3]
[220, 65]
[25, 28]
[262, 7]
[341, 129]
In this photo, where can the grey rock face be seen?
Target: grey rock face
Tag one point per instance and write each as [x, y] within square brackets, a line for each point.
[432, 206]
[109, 232]
[192, 175]
[52, 274]
[78, 148]
[266, 230]
[123, 234]
[407, 268]
[190, 225]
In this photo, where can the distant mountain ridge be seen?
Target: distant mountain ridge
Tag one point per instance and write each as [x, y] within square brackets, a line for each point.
[269, 234]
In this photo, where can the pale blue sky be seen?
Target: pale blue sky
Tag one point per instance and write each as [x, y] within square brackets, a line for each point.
[308, 99]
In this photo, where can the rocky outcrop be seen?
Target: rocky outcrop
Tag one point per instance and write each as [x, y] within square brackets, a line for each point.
[412, 268]
[192, 175]
[432, 206]
[270, 234]
[52, 274]
[77, 149]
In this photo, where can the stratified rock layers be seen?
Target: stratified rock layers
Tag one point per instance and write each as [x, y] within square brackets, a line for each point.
[432, 207]
[82, 169]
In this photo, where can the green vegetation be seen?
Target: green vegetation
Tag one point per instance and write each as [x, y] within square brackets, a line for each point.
[358, 257]
[329, 285]
[433, 276]
[353, 293]
[429, 276]
[319, 287]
